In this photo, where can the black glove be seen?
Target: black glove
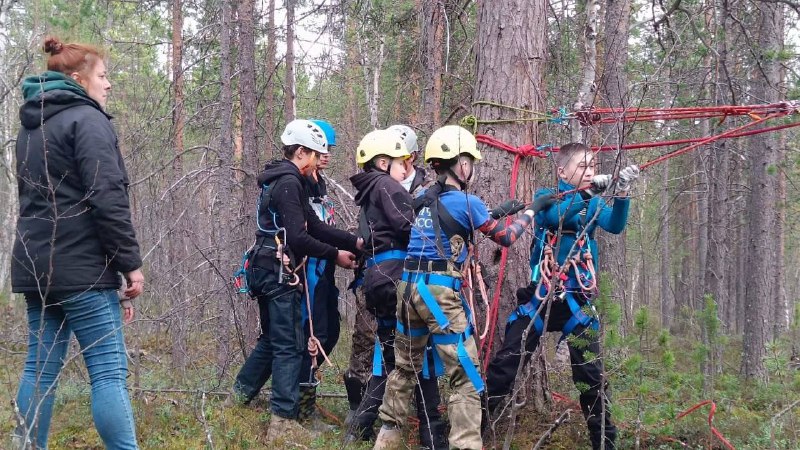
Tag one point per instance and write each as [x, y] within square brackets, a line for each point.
[542, 202]
[507, 208]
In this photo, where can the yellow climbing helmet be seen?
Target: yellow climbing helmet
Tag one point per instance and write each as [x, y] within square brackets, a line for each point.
[380, 142]
[449, 142]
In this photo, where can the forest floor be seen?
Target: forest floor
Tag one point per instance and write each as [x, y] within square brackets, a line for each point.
[189, 412]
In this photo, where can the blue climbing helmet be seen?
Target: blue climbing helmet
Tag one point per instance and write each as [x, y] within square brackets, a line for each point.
[327, 128]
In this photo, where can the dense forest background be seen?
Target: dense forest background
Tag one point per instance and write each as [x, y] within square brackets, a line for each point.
[701, 294]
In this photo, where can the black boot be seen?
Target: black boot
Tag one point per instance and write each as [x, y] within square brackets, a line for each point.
[432, 428]
[367, 413]
[355, 392]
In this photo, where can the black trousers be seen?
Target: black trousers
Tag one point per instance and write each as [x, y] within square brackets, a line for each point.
[586, 374]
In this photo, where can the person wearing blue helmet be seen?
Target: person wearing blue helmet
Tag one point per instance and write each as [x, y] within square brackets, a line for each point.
[324, 295]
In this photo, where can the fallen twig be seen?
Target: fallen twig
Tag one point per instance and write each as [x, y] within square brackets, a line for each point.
[205, 422]
[775, 418]
[563, 418]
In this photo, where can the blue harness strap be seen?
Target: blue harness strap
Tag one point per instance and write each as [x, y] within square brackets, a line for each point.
[438, 364]
[377, 359]
[385, 256]
[529, 309]
[314, 268]
[469, 367]
[377, 355]
[422, 280]
[411, 332]
[433, 306]
[461, 351]
[578, 317]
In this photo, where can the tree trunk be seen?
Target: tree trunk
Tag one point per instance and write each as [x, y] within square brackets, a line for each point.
[175, 247]
[432, 60]
[247, 95]
[290, 93]
[762, 201]
[718, 189]
[783, 311]
[225, 155]
[588, 88]
[666, 251]
[373, 67]
[269, 96]
[510, 55]
[614, 91]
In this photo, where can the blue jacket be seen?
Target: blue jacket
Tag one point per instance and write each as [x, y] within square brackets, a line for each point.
[566, 215]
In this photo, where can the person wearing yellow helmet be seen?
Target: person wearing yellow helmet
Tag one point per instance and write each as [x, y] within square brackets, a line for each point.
[385, 224]
[431, 313]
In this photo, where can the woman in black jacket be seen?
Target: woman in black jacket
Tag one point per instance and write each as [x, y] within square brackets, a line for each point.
[74, 237]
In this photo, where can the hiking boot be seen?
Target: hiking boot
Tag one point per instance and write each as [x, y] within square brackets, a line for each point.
[282, 432]
[389, 438]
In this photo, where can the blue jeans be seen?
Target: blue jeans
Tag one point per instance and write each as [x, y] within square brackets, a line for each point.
[94, 316]
[279, 349]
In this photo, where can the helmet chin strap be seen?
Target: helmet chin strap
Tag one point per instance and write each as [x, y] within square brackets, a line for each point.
[461, 183]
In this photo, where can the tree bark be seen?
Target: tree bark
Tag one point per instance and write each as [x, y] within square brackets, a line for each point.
[614, 91]
[269, 88]
[587, 90]
[225, 188]
[247, 104]
[175, 245]
[762, 200]
[717, 250]
[290, 93]
[432, 60]
[510, 57]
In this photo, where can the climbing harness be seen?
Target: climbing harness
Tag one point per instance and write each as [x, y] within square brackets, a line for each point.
[422, 275]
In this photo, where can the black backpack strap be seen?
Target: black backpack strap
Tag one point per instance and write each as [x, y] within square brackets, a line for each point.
[441, 218]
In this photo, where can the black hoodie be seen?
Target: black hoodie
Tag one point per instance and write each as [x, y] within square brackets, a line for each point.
[306, 235]
[74, 230]
[388, 211]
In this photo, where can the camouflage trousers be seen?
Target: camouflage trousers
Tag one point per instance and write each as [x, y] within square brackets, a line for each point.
[464, 404]
[360, 367]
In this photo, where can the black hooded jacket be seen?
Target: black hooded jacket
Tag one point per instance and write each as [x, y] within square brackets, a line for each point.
[387, 209]
[306, 235]
[74, 230]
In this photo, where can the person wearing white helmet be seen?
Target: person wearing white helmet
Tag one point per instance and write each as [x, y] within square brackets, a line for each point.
[287, 231]
[430, 310]
[323, 293]
[417, 178]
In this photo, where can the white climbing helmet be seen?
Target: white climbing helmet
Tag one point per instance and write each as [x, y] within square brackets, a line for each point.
[408, 135]
[305, 133]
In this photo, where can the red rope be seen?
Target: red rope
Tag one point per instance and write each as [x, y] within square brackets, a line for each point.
[710, 139]
[778, 110]
[594, 116]
[711, 413]
[519, 153]
[641, 145]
